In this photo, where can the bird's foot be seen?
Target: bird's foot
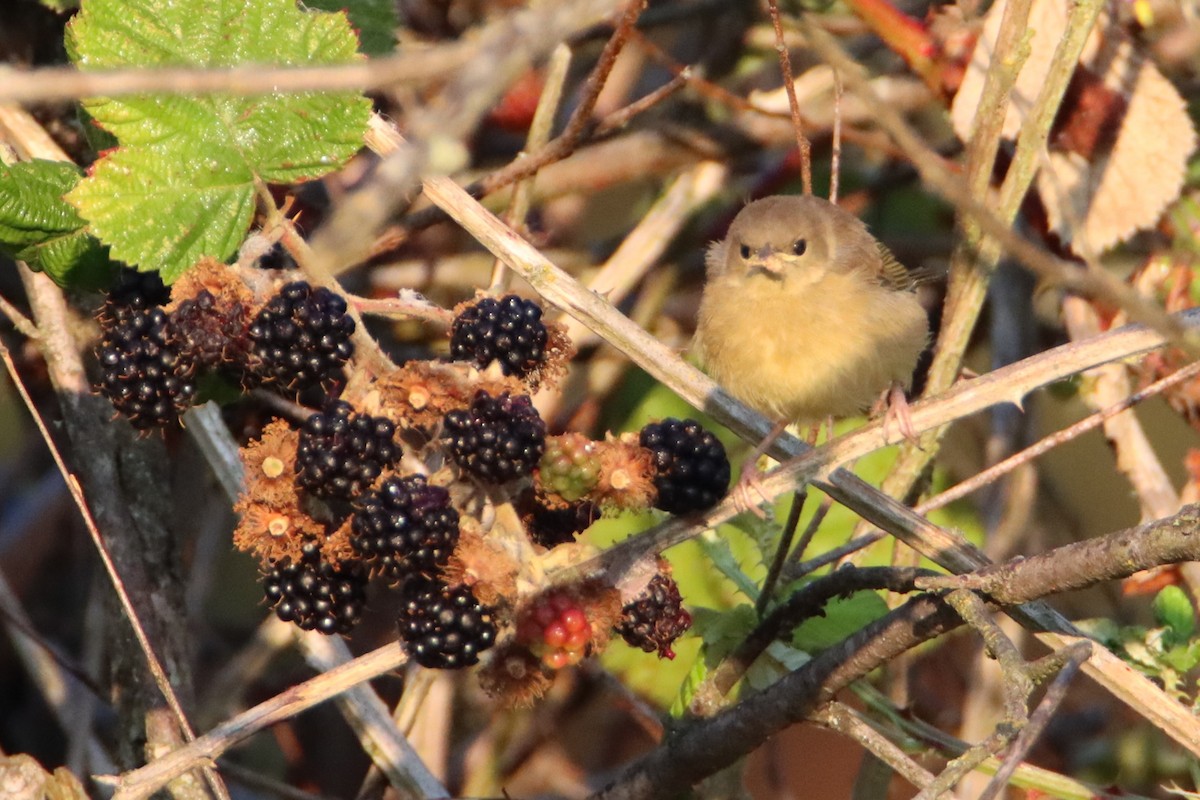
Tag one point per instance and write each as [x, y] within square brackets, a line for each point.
[894, 406]
[749, 483]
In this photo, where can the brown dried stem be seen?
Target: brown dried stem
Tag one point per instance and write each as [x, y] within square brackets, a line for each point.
[789, 84]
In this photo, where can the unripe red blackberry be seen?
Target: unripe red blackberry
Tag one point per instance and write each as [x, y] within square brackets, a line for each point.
[405, 527]
[556, 629]
[497, 439]
[444, 627]
[656, 619]
[509, 330]
[301, 338]
[342, 452]
[141, 370]
[691, 468]
[315, 594]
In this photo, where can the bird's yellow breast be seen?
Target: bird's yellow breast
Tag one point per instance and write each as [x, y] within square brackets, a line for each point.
[806, 350]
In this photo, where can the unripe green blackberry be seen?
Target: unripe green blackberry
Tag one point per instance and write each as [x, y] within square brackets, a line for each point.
[405, 527]
[691, 468]
[141, 370]
[656, 619]
[497, 439]
[444, 627]
[315, 594]
[570, 467]
[301, 338]
[343, 452]
[509, 330]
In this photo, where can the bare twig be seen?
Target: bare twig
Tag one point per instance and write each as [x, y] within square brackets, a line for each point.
[146, 780]
[410, 67]
[849, 722]
[1069, 433]
[789, 83]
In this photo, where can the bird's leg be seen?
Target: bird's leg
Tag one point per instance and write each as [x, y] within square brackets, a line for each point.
[751, 477]
[894, 406]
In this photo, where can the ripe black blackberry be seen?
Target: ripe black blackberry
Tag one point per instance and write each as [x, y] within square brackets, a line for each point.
[210, 335]
[134, 290]
[691, 468]
[405, 527]
[550, 526]
[497, 439]
[444, 627]
[315, 594]
[301, 338]
[141, 369]
[342, 452]
[656, 618]
[509, 330]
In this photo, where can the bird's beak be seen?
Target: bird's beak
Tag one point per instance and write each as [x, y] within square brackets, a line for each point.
[767, 260]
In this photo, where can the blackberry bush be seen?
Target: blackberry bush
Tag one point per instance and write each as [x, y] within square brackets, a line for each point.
[301, 338]
[444, 627]
[656, 619]
[342, 452]
[509, 330]
[405, 527]
[691, 468]
[497, 439]
[315, 594]
[142, 371]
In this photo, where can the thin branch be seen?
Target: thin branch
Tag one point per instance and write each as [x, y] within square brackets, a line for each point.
[785, 65]
[143, 782]
[1067, 434]
[22, 323]
[849, 722]
[411, 67]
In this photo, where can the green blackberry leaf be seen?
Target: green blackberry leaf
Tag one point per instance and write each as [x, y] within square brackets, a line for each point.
[375, 21]
[43, 230]
[183, 180]
[842, 617]
[1174, 611]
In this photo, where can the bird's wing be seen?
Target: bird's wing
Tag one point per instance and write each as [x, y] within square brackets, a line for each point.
[892, 273]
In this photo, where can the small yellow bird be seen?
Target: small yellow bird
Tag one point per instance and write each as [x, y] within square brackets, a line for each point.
[805, 315]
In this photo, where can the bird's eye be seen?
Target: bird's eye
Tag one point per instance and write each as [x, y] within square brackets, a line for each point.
[799, 246]
[745, 251]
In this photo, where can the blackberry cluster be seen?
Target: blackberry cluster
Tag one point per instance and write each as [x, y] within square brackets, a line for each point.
[691, 468]
[301, 338]
[342, 452]
[315, 594]
[498, 438]
[509, 330]
[209, 335]
[405, 527]
[143, 373]
[656, 619]
[444, 627]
